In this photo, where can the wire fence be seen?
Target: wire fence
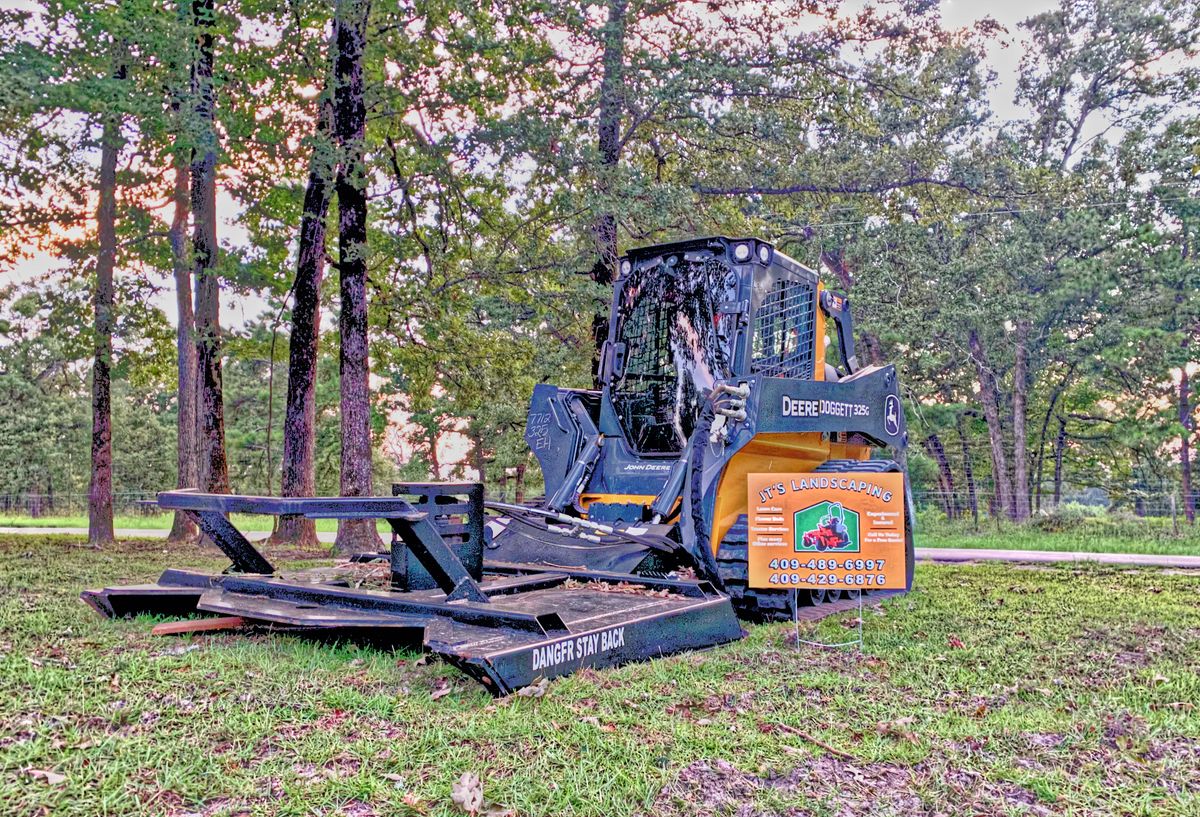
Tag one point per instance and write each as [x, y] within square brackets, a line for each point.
[1087, 502]
[37, 506]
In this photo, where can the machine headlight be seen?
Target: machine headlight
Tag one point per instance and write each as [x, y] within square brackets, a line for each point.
[741, 252]
[626, 267]
[764, 253]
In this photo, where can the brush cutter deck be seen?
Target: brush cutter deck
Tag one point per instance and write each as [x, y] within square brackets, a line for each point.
[509, 629]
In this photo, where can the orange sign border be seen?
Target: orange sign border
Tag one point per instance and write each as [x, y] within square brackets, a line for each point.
[773, 502]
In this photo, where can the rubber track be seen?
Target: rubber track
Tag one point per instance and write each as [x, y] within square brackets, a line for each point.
[734, 570]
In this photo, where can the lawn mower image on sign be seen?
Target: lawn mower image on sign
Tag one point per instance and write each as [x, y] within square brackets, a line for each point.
[831, 533]
[714, 380]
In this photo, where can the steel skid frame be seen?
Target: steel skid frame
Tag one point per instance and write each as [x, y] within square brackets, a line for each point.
[506, 625]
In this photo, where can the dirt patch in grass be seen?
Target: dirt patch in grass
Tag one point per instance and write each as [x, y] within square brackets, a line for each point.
[1121, 749]
[833, 787]
[710, 787]
[1117, 653]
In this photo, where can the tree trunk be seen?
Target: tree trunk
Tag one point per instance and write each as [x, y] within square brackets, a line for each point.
[519, 485]
[350, 117]
[612, 107]
[478, 458]
[1040, 459]
[435, 464]
[991, 415]
[968, 470]
[1060, 443]
[183, 529]
[212, 469]
[934, 446]
[1020, 431]
[100, 488]
[300, 424]
[1185, 446]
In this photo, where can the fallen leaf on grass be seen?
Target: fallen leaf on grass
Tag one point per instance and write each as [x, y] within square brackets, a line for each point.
[53, 778]
[182, 649]
[443, 689]
[955, 643]
[897, 729]
[467, 793]
[534, 690]
[592, 720]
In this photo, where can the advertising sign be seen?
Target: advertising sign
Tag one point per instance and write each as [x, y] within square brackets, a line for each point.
[840, 531]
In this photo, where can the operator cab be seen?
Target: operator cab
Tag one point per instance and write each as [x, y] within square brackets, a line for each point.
[689, 314]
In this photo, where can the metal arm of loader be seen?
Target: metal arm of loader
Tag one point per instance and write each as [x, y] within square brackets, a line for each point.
[837, 307]
[571, 486]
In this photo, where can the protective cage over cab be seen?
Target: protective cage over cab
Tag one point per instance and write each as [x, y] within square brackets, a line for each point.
[682, 322]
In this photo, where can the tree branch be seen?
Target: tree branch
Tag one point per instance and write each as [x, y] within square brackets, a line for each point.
[830, 189]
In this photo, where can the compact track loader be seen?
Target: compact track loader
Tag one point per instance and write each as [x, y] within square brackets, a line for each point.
[723, 465]
[714, 369]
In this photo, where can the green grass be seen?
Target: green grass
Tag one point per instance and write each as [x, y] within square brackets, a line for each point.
[156, 521]
[1098, 535]
[988, 690]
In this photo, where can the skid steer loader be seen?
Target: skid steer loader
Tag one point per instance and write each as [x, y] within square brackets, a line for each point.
[706, 474]
[714, 369]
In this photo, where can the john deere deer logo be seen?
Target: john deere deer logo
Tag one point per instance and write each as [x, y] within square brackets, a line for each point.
[827, 526]
[891, 415]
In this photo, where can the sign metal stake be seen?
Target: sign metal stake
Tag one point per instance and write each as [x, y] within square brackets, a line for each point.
[819, 644]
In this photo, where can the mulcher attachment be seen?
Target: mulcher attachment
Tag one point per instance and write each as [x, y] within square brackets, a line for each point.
[520, 624]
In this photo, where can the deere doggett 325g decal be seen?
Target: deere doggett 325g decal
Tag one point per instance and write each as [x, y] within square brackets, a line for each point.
[826, 526]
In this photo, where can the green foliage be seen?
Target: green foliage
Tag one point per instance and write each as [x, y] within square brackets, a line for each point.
[1066, 516]
[859, 139]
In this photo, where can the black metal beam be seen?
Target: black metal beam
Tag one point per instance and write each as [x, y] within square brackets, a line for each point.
[383, 601]
[685, 587]
[313, 507]
[423, 540]
[245, 557]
